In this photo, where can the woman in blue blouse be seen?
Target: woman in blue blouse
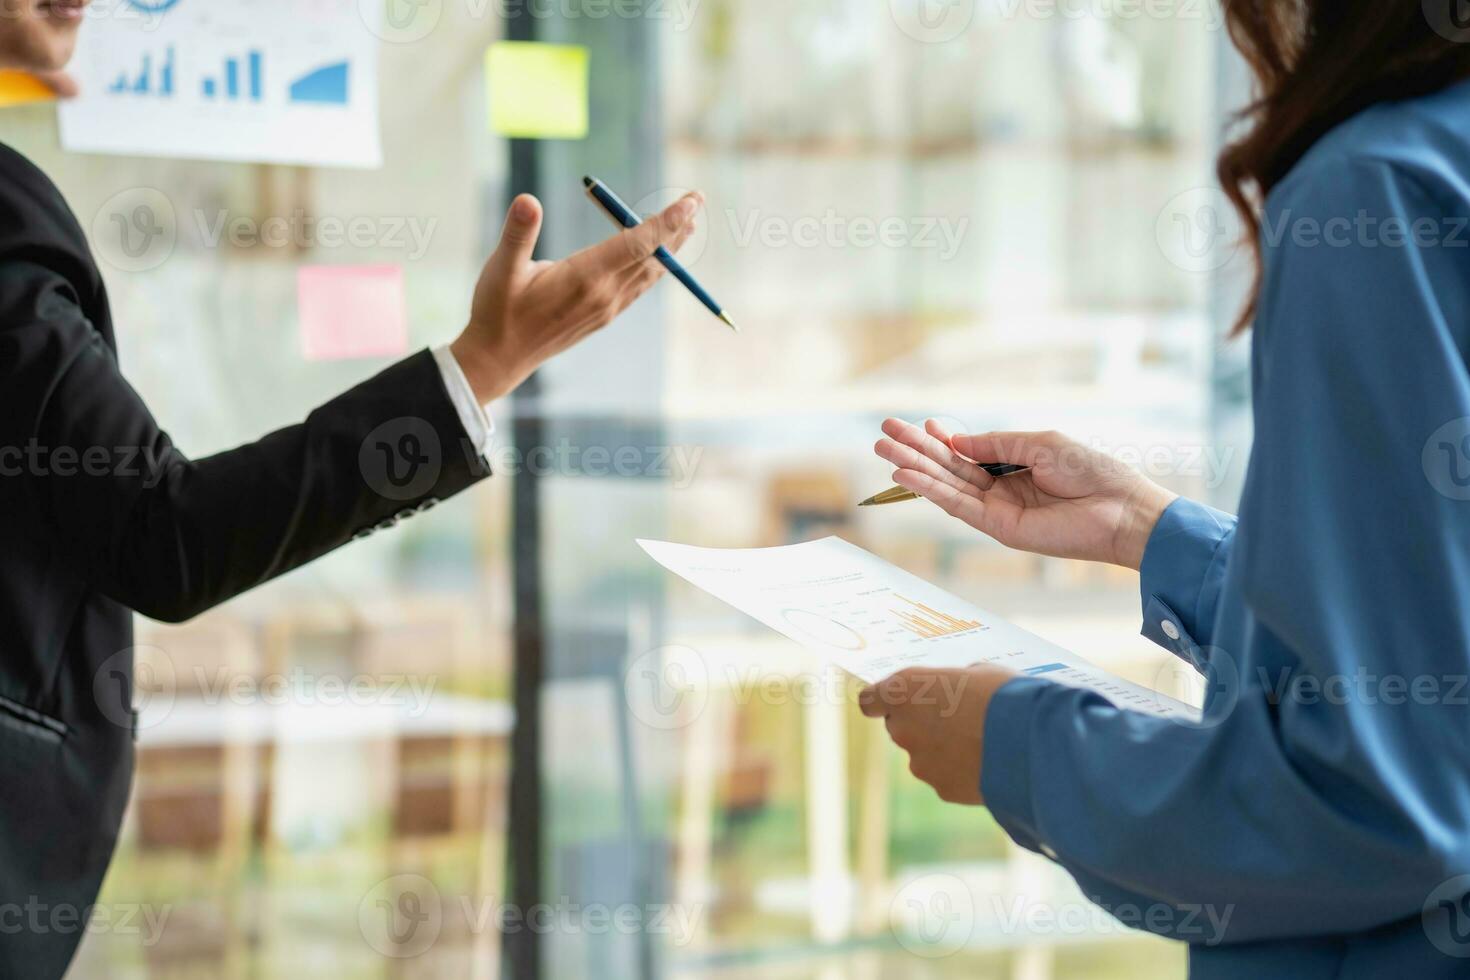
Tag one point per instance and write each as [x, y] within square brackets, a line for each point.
[1316, 823]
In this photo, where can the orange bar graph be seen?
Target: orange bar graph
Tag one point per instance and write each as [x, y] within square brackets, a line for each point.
[930, 623]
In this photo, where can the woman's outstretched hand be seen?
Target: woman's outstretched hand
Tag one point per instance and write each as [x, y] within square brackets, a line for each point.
[525, 312]
[1074, 502]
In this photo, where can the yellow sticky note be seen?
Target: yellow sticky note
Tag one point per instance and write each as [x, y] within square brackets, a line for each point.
[537, 91]
[18, 88]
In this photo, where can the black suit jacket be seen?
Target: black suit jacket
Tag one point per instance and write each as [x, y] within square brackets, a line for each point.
[101, 515]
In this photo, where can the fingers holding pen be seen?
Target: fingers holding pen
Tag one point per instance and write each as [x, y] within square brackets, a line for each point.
[955, 461]
[968, 506]
[909, 447]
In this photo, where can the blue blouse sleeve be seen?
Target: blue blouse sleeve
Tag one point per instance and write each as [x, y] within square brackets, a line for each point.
[1327, 789]
[1181, 578]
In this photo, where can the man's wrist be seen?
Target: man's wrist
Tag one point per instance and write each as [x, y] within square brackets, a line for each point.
[487, 377]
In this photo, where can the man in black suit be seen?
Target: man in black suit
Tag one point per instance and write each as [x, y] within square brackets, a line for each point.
[101, 515]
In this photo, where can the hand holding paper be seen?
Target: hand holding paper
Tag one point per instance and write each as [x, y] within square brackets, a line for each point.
[873, 619]
[938, 718]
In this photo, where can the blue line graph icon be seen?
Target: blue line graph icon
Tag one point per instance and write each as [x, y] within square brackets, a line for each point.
[327, 85]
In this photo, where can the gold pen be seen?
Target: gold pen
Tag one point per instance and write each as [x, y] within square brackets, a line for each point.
[897, 495]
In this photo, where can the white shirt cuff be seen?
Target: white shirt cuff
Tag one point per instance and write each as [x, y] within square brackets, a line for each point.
[478, 424]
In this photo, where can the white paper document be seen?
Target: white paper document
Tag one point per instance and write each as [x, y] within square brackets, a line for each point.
[873, 619]
[272, 81]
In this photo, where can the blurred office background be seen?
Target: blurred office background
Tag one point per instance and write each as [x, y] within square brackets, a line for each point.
[995, 213]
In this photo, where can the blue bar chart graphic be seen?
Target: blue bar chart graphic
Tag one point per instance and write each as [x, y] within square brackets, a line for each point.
[146, 81]
[253, 76]
[238, 80]
[272, 81]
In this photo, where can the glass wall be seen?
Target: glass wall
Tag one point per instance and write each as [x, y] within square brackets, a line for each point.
[923, 210]
[964, 210]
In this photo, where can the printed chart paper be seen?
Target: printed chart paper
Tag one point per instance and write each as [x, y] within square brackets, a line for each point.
[874, 619]
[271, 81]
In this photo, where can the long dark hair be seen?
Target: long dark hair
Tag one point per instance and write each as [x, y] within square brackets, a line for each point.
[1318, 62]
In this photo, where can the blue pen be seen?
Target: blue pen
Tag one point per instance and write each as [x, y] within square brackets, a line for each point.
[623, 215]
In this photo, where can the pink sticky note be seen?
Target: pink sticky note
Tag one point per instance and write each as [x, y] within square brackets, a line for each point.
[351, 311]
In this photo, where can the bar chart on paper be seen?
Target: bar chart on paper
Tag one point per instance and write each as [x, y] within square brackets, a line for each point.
[874, 619]
[923, 621]
[258, 80]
